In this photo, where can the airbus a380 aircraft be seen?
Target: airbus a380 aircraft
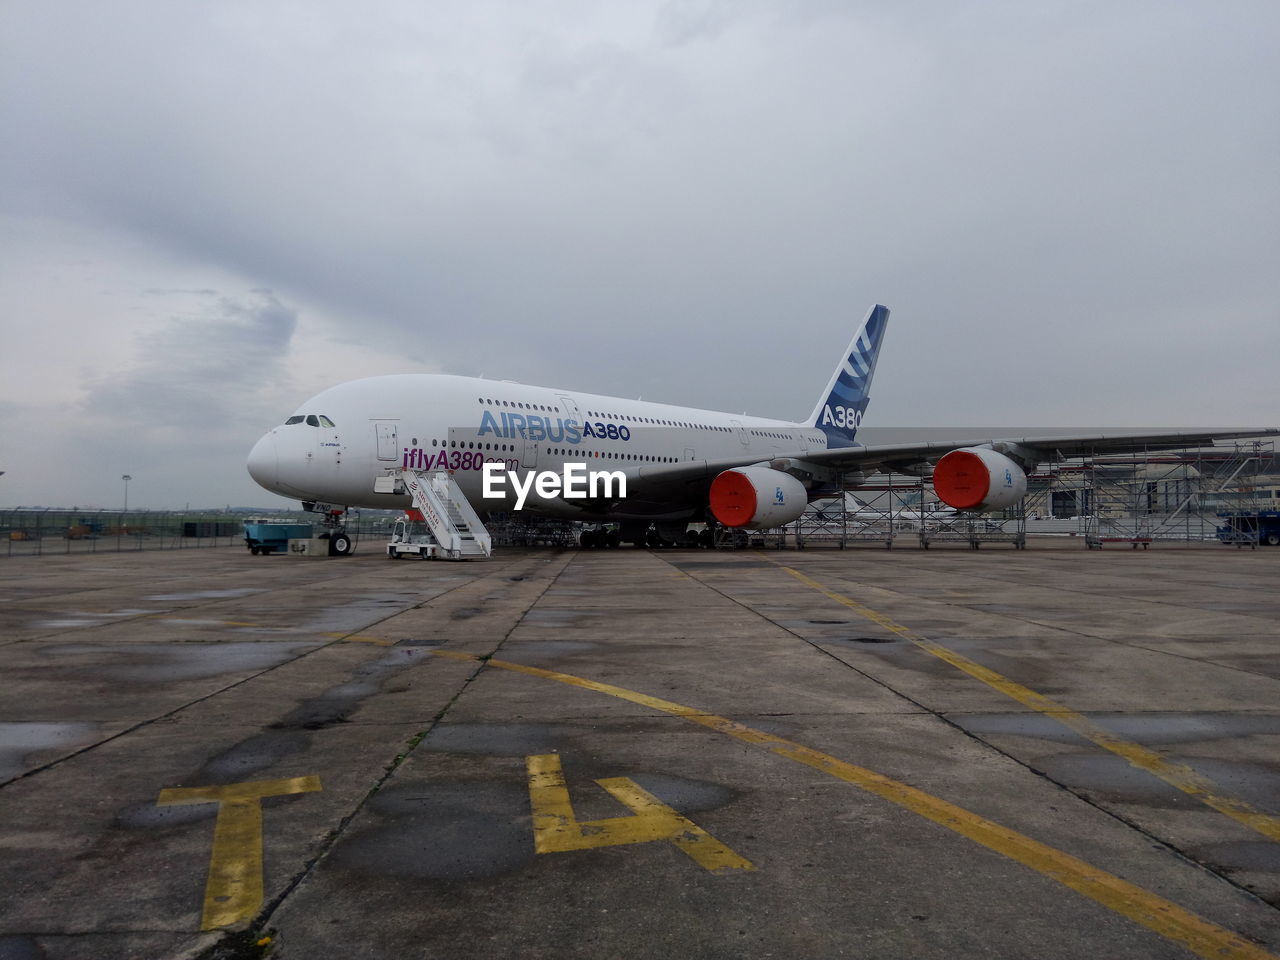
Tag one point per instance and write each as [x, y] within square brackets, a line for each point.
[680, 464]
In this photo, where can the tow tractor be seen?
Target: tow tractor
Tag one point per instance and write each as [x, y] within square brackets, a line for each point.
[412, 537]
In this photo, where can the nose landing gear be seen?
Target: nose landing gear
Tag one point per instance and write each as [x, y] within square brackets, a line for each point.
[340, 525]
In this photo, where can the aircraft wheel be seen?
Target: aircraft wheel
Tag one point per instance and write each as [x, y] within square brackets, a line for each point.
[612, 540]
[339, 545]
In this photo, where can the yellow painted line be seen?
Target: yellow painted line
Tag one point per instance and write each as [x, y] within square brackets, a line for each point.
[557, 830]
[1177, 775]
[233, 892]
[1161, 916]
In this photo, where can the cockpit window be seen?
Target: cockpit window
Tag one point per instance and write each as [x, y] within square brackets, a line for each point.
[313, 421]
[325, 421]
[293, 420]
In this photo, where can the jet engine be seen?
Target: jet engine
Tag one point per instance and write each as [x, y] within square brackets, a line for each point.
[978, 479]
[756, 498]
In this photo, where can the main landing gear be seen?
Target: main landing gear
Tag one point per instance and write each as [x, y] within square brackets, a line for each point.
[600, 537]
[652, 536]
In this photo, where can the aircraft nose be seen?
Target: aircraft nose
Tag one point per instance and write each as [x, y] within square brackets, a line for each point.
[264, 461]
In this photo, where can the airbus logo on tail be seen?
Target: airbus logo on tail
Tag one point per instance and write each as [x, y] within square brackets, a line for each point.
[843, 417]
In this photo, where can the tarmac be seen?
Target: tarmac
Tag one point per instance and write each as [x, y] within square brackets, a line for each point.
[1050, 753]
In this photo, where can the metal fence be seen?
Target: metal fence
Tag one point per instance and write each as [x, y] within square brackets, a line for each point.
[28, 532]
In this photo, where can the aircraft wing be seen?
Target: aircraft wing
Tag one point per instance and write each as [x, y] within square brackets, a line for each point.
[1039, 449]
[665, 480]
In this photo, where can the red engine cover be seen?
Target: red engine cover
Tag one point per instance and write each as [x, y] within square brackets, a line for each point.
[980, 479]
[961, 479]
[733, 499]
[756, 498]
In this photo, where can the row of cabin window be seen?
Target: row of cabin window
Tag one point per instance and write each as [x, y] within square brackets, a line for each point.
[626, 418]
[564, 452]
[596, 413]
[517, 405]
[472, 445]
[508, 448]
[311, 420]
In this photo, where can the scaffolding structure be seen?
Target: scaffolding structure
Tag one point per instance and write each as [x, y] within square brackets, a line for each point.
[526, 530]
[1148, 497]
[886, 508]
[1195, 496]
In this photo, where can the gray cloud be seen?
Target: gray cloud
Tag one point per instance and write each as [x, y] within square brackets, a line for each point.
[205, 372]
[1070, 207]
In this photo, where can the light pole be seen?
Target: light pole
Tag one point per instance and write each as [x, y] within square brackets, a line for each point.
[126, 478]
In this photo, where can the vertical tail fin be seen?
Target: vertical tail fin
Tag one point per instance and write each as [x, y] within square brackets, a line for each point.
[841, 406]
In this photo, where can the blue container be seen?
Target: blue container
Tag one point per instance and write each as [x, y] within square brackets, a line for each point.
[265, 536]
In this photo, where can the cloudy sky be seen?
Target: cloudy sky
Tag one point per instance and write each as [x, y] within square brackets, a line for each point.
[212, 211]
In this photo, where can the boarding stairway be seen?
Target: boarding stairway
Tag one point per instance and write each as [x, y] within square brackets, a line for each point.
[448, 514]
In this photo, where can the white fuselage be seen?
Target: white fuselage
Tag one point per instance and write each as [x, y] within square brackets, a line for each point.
[341, 440]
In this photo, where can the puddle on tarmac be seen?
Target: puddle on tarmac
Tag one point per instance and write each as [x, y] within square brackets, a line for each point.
[337, 703]
[19, 946]
[1260, 856]
[1147, 728]
[208, 594]
[20, 740]
[356, 614]
[553, 617]
[547, 649]
[442, 831]
[1111, 777]
[684, 795]
[734, 564]
[496, 739]
[144, 815]
[246, 758]
[169, 662]
[87, 618]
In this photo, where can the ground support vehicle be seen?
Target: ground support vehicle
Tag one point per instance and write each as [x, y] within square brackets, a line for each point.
[1254, 527]
[410, 538]
[265, 536]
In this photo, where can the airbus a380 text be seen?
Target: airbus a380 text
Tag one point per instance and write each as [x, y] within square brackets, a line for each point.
[678, 464]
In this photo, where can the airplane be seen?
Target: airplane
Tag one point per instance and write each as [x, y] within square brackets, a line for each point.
[681, 465]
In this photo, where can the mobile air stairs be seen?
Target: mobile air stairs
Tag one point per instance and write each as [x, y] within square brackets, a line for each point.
[445, 509]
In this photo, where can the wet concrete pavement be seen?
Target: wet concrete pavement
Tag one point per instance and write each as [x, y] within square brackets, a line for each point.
[1115, 715]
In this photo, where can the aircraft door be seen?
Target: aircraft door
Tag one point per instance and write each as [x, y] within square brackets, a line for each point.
[570, 409]
[742, 432]
[388, 441]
